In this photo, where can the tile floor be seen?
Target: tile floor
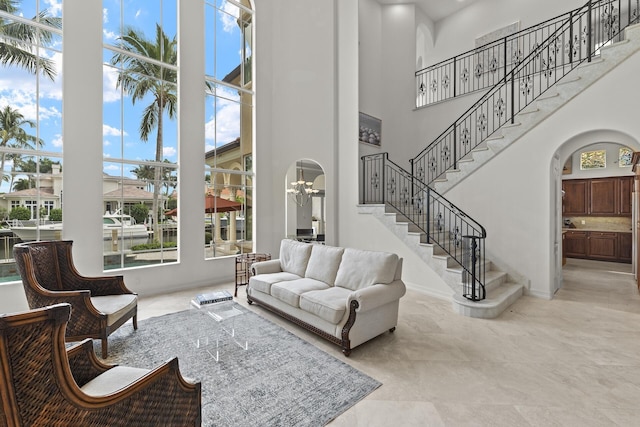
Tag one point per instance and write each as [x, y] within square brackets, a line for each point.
[572, 361]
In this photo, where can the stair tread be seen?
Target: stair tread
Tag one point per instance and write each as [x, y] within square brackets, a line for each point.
[497, 295]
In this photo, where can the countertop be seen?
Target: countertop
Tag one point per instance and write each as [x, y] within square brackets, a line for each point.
[600, 230]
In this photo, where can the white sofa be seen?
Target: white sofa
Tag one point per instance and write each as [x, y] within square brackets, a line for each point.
[345, 295]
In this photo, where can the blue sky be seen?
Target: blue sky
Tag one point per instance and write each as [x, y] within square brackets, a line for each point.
[121, 136]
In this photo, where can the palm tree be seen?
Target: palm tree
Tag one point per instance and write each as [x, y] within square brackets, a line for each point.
[16, 162]
[140, 78]
[144, 173]
[23, 184]
[11, 123]
[17, 40]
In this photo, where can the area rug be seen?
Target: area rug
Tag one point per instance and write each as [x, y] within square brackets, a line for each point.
[280, 380]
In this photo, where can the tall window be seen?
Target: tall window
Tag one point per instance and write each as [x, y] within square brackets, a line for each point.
[30, 119]
[228, 127]
[140, 131]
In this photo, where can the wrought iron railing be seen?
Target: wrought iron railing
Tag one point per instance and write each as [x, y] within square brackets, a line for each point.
[443, 223]
[485, 66]
[574, 41]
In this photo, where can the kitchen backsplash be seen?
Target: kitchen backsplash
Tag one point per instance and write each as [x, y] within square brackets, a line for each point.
[609, 223]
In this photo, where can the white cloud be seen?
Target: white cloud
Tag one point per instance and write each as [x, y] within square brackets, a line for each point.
[57, 141]
[105, 15]
[229, 19]
[109, 35]
[22, 84]
[112, 167]
[25, 102]
[168, 151]
[224, 127]
[138, 13]
[111, 131]
[110, 93]
[55, 7]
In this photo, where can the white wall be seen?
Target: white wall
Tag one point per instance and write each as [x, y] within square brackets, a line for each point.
[457, 33]
[370, 80]
[296, 111]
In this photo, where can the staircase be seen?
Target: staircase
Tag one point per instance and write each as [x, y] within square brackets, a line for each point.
[545, 105]
[432, 227]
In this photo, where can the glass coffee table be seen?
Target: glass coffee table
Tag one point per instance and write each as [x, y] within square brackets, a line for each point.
[224, 316]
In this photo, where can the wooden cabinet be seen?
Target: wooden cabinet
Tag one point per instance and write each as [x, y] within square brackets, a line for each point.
[575, 243]
[625, 191]
[597, 196]
[625, 247]
[602, 245]
[603, 196]
[576, 197]
[597, 245]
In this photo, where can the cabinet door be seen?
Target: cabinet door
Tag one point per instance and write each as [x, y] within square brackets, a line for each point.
[624, 247]
[603, 196]
[625, 189]
[575, 244]
[602, 245]
[575, 200]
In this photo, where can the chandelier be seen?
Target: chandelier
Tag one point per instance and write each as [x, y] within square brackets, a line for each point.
[300, 191]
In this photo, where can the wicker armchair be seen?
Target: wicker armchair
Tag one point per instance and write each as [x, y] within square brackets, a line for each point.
[100, 304]
[43, 384]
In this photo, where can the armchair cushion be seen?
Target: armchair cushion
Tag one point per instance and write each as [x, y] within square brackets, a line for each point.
[115, 306]
[114, 379]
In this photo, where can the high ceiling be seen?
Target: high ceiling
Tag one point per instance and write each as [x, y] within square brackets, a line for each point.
[434, 9]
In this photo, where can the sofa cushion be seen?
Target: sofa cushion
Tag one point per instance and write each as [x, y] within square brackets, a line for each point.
[359, 269]
[323, 263]
[294, 256]
[329, 304]
[263, 282]
[290, 291]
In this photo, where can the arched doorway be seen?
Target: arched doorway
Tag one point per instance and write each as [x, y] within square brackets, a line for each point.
[566, 165]
[305, 194]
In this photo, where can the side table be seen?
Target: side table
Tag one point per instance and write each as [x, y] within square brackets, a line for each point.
[243, 267]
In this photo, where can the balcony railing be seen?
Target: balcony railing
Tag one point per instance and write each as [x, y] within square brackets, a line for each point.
[485, 66]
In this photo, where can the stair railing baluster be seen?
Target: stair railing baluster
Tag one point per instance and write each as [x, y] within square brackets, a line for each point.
[590, 32]
[455, 74]
[383, 180]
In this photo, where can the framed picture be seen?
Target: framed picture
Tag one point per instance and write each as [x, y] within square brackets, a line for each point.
[370, 130]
